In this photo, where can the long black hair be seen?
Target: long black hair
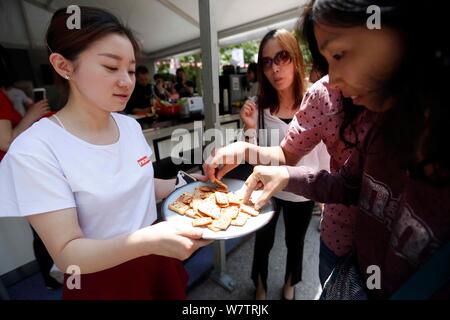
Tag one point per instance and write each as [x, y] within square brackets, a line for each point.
[347, 131]
[415, 127]
[6, 75]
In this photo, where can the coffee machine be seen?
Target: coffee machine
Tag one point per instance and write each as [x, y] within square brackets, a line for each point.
[232, 89]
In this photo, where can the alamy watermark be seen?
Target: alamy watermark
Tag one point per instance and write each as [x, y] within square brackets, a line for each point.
[74, 279]
[374, 20]
[374, 280]
[187, 146]
[74, 20]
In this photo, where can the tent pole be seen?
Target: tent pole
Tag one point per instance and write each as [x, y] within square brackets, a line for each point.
[26, 24]
[210, 74]
[210, 63]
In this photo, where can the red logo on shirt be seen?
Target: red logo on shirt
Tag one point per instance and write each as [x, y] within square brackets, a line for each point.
[143, 161]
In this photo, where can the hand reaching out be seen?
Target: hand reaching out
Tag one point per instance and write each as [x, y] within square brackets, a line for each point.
[223, 160]
[270, 179]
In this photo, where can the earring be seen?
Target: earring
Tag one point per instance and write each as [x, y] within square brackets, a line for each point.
[67, 77]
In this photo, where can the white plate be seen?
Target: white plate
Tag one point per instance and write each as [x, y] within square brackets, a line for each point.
[253, 223]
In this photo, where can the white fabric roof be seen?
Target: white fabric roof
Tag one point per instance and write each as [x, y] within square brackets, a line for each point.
[165, 27]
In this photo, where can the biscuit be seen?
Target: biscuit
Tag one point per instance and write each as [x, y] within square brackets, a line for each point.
[190, 213]
[201, 222]
[248, 209]
[209, 209]
[221, 186]
[234, 199]
[221, 199]
[179, 207]
[213, 228]
[241, 219]
[205, 189]
[223, 222]
[231, 212]
[186, 198]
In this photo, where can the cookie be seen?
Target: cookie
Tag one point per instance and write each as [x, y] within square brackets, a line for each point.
[231, 212]
[223, 222]
[248, 209]
[179, 207]
[240, 220]
[221, 199]
[209, 209]
[186, 198]
[221, 186]
[234, 199]
[201, 222]
[190, 213]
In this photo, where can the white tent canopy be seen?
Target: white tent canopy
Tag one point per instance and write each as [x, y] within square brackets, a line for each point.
[164, 27]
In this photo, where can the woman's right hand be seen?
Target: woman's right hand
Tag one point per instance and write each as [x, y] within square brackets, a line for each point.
[175, 240]
[223, 160]
[37, 110]
[269, 179]
[249, 115]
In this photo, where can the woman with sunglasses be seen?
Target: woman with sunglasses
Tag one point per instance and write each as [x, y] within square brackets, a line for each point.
[282, 85]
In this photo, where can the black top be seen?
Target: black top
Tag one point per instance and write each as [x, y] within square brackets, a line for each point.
[287, 121]
[182, 90]
[140, 98]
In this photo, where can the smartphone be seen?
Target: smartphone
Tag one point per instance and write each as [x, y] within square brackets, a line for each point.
[183, 179]
[39, 94]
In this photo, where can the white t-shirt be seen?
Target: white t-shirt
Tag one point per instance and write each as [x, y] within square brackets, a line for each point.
[18, 98]
[111, 186]
[317, 159]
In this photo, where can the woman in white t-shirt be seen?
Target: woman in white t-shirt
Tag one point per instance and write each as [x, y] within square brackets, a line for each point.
[84, 178]
[282, 85]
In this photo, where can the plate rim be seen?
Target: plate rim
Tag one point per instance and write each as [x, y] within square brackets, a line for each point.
[271, 202]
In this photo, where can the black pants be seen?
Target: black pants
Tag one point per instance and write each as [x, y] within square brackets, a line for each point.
[297, 216]
[43, 258]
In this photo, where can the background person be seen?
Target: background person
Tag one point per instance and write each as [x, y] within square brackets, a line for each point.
[141, 98]
[282, 86]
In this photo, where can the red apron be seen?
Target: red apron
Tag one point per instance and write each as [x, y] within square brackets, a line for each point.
[151, 277]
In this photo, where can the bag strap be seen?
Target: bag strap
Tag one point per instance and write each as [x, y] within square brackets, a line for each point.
[431, 277]
[260, 124]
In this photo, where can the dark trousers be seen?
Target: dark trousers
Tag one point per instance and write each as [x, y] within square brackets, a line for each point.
[43, 258]
[297, 216]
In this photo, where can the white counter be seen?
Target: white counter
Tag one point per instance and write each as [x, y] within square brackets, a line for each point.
[161, 143]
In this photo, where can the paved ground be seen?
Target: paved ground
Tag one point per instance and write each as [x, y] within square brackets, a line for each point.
[238, 266]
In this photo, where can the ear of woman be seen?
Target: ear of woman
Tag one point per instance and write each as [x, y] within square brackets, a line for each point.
[61, 65]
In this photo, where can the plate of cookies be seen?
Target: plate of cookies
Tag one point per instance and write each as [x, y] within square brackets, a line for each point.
[218, 208]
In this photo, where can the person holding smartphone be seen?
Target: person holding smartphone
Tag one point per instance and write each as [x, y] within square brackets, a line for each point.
[12, 123]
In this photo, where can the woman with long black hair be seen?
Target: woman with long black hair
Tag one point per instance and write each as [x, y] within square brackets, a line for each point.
[399, 176]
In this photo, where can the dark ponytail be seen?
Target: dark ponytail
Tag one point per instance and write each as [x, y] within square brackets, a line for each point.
[95, 24]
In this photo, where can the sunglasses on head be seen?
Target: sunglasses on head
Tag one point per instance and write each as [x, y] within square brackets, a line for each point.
[281, 58]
